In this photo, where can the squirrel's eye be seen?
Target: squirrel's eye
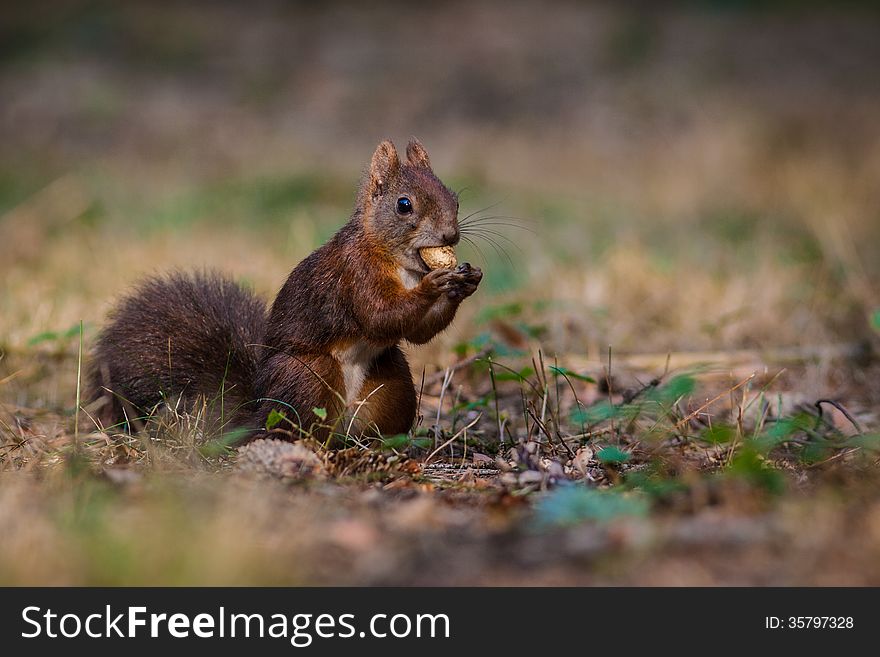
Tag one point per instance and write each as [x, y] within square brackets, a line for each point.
[404, 205]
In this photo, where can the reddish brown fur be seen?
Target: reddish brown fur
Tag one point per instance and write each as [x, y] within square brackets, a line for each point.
[347, 295]
[191, 335]
[391, 404]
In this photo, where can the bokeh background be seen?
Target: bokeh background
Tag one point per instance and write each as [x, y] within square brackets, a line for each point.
[668, 177]
[698, 176]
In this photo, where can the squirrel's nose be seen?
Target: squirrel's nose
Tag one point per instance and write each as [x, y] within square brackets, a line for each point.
[450, 236]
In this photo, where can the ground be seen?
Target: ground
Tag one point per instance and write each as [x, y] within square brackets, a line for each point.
[668, 376]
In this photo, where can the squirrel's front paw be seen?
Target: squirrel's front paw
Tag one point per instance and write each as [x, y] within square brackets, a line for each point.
[456, 283]
[463, 282]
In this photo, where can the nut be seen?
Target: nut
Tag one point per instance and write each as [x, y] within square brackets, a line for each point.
[439, 257]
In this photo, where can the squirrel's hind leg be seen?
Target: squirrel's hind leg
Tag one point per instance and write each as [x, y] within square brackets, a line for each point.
[295, 387]
[390, 396]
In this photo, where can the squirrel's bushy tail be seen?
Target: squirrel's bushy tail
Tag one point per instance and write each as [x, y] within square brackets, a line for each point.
[183, 335]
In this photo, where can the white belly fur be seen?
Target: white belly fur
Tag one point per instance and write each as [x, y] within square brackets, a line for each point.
[357, 359]
[408, 279]
[355, 362]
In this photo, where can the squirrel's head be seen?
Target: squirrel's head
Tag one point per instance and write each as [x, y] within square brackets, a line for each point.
[406, 207]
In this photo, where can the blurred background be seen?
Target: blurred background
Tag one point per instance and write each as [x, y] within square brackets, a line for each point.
[664, 177]
[697, 176]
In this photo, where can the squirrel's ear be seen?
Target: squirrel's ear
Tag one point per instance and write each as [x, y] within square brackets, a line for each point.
[384, 166]
[417, 155]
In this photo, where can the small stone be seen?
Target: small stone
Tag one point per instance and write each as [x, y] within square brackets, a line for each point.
[582, 460]
[531, 477]
[278, 459]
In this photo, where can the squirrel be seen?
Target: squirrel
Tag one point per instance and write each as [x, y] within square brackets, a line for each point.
[331, 338]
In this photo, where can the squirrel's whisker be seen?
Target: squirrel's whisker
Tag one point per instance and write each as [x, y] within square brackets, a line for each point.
[499, 249]
[485, 231]
[505, 224]
[476, 212]
[497, 245]
[476, 247]
[514, 220]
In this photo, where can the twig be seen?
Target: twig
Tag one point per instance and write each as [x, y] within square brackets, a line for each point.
[357, 410]
[495, 397]
[78, 386]
[840, 408]
[630, 396]
[713, 400]
[9, 378]
[447, 379]
[418, 419]
[456, 435]
[543, 428]
[608, 382]
[739, 358]
[436, 377]
[840, 454]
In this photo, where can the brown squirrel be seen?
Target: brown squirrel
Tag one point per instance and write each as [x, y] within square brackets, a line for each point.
[331, 338]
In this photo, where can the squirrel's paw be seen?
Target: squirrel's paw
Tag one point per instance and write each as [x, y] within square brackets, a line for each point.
[457, 283]
[463, 282]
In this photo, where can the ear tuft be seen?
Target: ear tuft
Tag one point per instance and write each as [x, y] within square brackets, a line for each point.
[417, 155]
[384, 166]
